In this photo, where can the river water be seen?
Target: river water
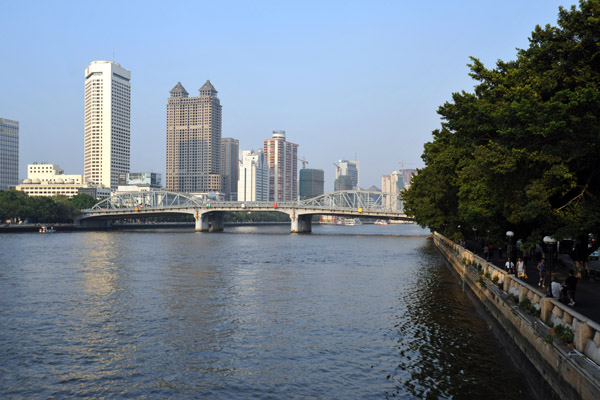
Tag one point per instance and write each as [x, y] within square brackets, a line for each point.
[356, 312]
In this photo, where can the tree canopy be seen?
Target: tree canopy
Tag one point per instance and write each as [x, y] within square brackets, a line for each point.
[16, 205]
[520, 153]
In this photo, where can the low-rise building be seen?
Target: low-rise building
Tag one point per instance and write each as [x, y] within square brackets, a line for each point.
[51, 180]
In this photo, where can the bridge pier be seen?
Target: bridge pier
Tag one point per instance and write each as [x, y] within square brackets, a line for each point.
[209, 222]
[301, 223]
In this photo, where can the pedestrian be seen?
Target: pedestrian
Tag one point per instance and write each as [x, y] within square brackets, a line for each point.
[541, 267]
[509, 266]
[555, 288]
[571, 285]
[486, 253]
[491, 249]
[521, 269]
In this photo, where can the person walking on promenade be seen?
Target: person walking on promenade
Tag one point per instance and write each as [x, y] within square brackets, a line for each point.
[555, 288]
[571, 285]
[509, 266]
[521, 269]
[491, 250]
[486, 253]
[541, 267]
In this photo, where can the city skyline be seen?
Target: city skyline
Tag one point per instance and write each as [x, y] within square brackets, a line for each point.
[352, 79]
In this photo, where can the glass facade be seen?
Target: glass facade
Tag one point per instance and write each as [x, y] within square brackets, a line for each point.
[9, 153]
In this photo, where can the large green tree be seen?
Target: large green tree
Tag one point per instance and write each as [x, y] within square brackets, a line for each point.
[521, 152]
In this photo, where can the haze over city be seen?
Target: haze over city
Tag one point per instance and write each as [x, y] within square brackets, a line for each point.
[345, 80]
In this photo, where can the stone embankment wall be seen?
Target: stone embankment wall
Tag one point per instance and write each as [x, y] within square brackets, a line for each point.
[532, 320]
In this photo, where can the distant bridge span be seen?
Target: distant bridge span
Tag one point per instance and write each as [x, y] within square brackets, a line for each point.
[209, 213]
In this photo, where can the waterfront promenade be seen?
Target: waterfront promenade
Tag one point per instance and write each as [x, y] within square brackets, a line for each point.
[587, 296]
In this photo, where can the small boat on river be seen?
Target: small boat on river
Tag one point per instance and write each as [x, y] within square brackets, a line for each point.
[352, 221]
[381, 222]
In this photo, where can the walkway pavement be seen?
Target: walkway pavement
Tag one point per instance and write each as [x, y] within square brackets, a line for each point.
[587, 296]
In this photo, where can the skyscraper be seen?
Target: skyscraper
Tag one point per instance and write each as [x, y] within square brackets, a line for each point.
[312, 182]
[253, 184]
[194, 141]
[392, 184]
[107, 122]
[282, 158]
[230, 159]
[351, 169]
[9, 153]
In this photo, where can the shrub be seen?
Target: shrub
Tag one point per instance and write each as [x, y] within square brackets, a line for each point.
[488, 275]
[529, 307]
[481, 282]
[495, 279]
[564, 333]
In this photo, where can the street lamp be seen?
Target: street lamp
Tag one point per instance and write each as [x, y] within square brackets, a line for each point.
[550, 242]
[509, 236]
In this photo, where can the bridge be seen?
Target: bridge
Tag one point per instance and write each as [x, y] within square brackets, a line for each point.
[209, 213]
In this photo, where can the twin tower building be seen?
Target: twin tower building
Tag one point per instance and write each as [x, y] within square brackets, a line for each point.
[198, 159]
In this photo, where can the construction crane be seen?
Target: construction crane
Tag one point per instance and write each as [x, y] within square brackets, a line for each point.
[304, 162]
[337, 170]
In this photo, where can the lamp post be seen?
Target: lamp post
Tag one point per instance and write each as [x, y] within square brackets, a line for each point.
[550, 243]
[509, 236]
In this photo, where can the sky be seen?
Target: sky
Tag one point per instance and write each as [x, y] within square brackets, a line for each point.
[345, 79]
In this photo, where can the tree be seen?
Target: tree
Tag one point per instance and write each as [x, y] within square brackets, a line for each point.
[520, 153]
[82, 201]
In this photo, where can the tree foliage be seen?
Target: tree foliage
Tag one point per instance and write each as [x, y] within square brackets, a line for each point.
[18, 206]
[520, 153]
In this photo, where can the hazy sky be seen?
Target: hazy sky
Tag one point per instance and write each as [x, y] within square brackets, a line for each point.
[344, 79]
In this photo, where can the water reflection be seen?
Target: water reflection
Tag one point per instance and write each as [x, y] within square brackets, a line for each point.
[445, 350]
[239, 315]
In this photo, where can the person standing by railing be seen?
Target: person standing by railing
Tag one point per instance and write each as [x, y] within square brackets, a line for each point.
[521, 269]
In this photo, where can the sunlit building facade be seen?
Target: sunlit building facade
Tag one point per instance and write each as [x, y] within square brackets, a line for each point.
[253, 183]
[282, 158]
[107, 123]
[194, 163]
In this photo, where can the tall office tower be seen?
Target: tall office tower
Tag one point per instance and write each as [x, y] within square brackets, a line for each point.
[312, 182]
[107, 122]
[9, 153]
[194, 141]
[282, 158]
[253, 184]
[230, 159]
[343, 182]
[351, 169]
[392, 185]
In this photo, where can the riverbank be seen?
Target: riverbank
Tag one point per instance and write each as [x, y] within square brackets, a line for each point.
[533, 322]
[23, 228]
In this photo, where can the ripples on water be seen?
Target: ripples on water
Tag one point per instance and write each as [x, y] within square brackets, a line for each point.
[347, 312]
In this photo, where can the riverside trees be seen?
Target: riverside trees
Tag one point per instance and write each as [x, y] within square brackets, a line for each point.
[521, 152]
[15, 205]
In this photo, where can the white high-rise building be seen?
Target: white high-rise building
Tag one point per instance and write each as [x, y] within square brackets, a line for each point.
[392, 185]
[107, 122]
[253, 183]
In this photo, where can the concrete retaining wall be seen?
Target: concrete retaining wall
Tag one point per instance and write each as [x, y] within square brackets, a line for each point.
[571, 370]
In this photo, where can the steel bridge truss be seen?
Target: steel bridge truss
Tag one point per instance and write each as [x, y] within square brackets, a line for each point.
[341, 200]
[352, 199]
[152, 199]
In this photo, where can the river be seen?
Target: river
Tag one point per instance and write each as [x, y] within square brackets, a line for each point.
[347, 312]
